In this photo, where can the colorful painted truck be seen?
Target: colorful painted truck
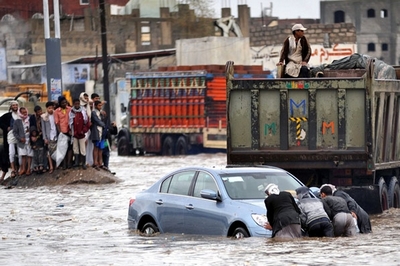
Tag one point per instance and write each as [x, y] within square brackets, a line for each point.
[343, 129]
[177, 111]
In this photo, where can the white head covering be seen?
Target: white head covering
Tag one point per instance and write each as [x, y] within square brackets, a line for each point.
[272, 189]
[298, 27]
[330, 185]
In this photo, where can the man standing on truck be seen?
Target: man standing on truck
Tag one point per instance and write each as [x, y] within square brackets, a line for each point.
[338, 212]
[296, 53]
[282, 212]
[362, 217]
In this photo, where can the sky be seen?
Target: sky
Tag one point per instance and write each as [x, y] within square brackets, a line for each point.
[280, 8]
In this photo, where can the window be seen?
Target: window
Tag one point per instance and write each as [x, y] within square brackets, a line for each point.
[339, 16]
[371, 13]
[371, 47]
[165, 185]
[204, 181]
[178, 184]
[145, 34]
[385, 47]
[384, 13]
[84, 2]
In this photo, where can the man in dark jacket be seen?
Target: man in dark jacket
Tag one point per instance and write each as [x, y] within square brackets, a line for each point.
[282, 213]
[313, 216]
[338, 212]
[6, 124]
[110, 129]
[363, 221]
[96, 134]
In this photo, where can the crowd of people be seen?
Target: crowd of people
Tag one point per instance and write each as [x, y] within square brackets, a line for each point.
[64, 136]
[335, 214]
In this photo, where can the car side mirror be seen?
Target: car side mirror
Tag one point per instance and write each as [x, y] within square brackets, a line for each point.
[210, 194]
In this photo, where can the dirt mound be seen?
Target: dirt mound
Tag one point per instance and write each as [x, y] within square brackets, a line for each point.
[63, 177]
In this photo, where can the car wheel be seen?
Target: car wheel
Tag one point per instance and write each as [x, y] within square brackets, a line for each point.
[168, 148]
[240, 232]
[123, 147]
[181, 147]
[149, 229]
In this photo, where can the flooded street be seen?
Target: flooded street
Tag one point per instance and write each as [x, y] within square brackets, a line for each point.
[87, 225]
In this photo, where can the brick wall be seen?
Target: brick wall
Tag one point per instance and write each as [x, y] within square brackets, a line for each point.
[316, 34]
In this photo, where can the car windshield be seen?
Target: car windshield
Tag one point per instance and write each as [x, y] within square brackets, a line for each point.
[252, 185]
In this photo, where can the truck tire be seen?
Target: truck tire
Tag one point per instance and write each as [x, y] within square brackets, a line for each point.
[181, 147]
[394, 193]
[168, 148]
[123, 146]
[383, 194]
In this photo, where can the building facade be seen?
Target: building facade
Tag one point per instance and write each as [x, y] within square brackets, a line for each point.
[376, 24]
[22, 9]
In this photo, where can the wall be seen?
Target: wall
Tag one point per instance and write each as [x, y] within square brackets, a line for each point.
[316, 34]
[25, 9]
[212, 51]
[80, 37]
[377, 30]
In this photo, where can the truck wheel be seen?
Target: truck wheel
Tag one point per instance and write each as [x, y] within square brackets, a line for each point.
[181, 147]
[383, 194]
[168, 147]
[394, 193]
[123, 146]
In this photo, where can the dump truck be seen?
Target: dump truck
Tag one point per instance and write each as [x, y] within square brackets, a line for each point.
[341, 128]
[177, 111]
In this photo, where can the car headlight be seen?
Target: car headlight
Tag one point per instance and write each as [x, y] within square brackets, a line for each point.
[260, 219]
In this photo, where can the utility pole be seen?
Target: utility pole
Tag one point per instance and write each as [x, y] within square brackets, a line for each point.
[53, 52]
[106, 86]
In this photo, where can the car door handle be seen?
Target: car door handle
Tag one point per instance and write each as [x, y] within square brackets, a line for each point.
[159, 202]
[190, 207]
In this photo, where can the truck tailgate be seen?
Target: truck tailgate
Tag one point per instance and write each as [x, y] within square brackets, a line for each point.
[299, 123]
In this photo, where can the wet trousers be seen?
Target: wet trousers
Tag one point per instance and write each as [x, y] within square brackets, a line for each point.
[343, 224]
[320, 227]
[290, 231]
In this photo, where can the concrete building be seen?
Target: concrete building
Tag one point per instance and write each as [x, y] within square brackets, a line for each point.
[143, 29]
[23, 9]
[376, 23]
[23, 40]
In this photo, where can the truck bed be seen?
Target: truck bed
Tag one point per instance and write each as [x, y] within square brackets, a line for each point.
[342, 128]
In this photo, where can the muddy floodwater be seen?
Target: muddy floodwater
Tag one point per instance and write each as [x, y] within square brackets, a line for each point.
[87, 225]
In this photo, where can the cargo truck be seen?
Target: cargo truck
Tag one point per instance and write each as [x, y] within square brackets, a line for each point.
[342, 129]
[176, 111]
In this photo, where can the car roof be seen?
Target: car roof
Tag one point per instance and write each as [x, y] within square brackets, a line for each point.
[235, 169]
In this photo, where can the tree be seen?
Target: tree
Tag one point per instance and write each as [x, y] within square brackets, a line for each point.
[202, 8]
[188, 24]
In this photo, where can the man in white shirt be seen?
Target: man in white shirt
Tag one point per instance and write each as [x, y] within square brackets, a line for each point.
[50, 133]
